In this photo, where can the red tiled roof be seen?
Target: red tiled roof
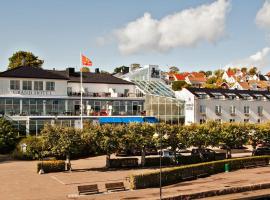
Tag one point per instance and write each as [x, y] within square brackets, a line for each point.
[181, 77]
[230, 73]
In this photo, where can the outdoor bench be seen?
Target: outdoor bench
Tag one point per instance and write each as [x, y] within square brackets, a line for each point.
[115, 186]
[88, 189]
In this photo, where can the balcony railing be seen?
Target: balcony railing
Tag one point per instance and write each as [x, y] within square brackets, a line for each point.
[103, 94]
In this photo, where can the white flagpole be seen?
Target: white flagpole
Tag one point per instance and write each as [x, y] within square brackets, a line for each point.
[81, 91]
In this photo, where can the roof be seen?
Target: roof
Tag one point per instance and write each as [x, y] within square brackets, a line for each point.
[181, 77]
[88, 77]
[244, 85]
[225, 92]
[230, 73]
[196, 79]
[31, 72]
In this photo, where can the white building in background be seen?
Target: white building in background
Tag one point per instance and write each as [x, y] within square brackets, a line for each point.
[202, 104]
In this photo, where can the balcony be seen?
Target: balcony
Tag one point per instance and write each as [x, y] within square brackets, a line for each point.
[246, 114]
[218, 113]
[102, 94]
[233, 114]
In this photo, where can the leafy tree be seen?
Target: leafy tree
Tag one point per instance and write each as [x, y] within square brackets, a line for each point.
[85, 69]
[110, 139]
[253, 70]
[8, 136]
[120, 69]
[244, 70]
[61, 141]
[143, 137]
[208, 73]
[218, 73]
[178, 85]
[233, 135]
[212, 80]
[173, 69]
[23, 58]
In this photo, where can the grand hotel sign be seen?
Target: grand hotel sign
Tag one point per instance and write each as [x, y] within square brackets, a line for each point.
[31, 92]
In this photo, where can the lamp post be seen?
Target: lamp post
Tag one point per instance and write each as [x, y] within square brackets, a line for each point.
[159, 136]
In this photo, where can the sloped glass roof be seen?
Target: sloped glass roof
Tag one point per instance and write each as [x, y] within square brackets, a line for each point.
[154, 88]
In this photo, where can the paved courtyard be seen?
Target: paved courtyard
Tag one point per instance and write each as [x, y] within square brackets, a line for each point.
[21, 182]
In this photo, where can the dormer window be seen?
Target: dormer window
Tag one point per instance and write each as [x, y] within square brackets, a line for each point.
[231, 96]
[27, 85]
[218, 95]
[202, 95]
[246, 96]
[14, 85]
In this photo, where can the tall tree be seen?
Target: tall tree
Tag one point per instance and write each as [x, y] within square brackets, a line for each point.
[23, 58]
[8, 136]
[173, 69]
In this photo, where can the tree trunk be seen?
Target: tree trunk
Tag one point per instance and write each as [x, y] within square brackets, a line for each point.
[143, 157]
[229, 153]
[108, 160]
[68, 163]
[175, 161]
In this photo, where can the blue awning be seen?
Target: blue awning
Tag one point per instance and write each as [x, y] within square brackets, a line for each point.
[104, 120]
[125, 120]
[150, 119]
[132, 119]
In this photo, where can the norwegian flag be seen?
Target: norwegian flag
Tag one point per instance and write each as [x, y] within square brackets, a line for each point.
[86, 61]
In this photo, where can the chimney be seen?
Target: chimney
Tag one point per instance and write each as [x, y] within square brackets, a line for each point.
[70, 70]
[97, 71]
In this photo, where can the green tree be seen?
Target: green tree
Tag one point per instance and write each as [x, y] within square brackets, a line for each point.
[120, 69]
[85, 69]
[208, 73]
[178, 85]
[8, 136]
[173, 69]
[233, 135]
[23, 58]
[244, 70]
[253, 70]
[143, 137]
[61, 141]
[218, 73]
[212, 80]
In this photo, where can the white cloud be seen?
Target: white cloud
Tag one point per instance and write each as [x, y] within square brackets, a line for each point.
[260, 60]
[184, 28]
[263, 16]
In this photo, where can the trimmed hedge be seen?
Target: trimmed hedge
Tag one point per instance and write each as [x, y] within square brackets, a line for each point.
[123, 162]
[175, 174]
[193, 159]
[51, 166]
[155, 161]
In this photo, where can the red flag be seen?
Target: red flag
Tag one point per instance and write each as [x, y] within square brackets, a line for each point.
[85, 61]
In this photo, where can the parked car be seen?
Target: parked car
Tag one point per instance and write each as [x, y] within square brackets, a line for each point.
[261, 151]
[205, 154]
[166, 153]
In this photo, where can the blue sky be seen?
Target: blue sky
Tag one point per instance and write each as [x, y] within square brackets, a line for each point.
[58, 30]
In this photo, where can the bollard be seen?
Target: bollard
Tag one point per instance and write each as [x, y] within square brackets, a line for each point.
[226, 166]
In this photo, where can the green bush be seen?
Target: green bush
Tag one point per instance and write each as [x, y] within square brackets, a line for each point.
[186, 160]
[155, 161]
[8, 136]
[175, 174]
[51, 166]
[33, 149]
[123, 162]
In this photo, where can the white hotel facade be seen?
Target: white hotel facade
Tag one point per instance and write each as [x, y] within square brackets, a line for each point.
[31, 97]
[202, 104]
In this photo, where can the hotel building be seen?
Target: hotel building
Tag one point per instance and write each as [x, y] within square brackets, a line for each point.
[31, 97]
[202, 104]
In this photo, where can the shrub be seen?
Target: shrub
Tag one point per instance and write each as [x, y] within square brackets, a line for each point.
[186, 160]
[8, 136]
[175, 174]
[123, 162]
[51, 166]
[155, 161]
[33, 149]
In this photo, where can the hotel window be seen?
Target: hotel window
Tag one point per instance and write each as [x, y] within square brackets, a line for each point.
[50, 86]
[259, 121]
[27, 85]
[246, 120]
[232, 110]
[232, 120]
[202, 109]
[14, 84]
[260, 110]
[202, 121]
[218, 109]
[38, 85]
[246, 109]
